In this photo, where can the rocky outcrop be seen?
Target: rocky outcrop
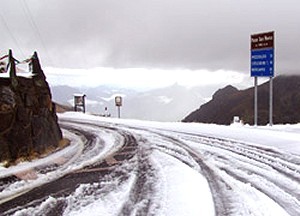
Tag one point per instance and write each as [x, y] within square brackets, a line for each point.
[28, 118]
[229, 102]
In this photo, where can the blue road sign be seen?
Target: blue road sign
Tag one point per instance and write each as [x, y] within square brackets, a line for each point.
[262, 62]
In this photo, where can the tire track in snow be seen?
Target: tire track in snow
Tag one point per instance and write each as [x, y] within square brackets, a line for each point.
[12, 187]
[257, 166]
[226, 164]
[165, 143]
[139, 200]
[28, 195]
[83, 171]
[217, 185]
[271, 163]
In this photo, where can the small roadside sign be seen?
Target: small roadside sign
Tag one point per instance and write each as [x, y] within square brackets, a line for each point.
[118, 101]
[79, 102]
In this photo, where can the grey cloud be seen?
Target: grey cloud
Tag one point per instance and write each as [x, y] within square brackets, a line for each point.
[153, 34]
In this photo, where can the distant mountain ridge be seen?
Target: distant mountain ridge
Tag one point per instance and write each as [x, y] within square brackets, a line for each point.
[229, 102]
[171, 103]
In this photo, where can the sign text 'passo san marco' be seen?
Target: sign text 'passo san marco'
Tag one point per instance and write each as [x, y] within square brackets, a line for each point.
[261, 41]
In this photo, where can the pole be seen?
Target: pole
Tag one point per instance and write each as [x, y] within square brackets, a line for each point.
[119, 112]
[255, 101]
[271, 102]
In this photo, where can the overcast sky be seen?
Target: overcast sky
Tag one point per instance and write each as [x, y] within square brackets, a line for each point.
[107, 38]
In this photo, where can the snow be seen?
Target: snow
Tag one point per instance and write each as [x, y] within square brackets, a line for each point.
[165, 99]
[112, 97]
[111, 204]
[79, 95]
[187, 189]
[179, 185]
[252, 201]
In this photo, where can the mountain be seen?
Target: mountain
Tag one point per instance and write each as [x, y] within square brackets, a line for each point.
[97, 98]
[171, 103]
[229, 102]
[165, 104]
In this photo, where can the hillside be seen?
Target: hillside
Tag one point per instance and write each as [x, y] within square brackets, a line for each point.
[229, 102]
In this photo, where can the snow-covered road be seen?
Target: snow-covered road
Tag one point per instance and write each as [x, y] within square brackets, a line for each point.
[128, 167]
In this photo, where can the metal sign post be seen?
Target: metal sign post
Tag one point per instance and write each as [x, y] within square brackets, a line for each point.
[262, 65]
[271, 102]
[255, 101]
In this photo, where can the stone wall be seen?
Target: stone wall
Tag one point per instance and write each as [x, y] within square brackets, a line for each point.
[28, 119]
